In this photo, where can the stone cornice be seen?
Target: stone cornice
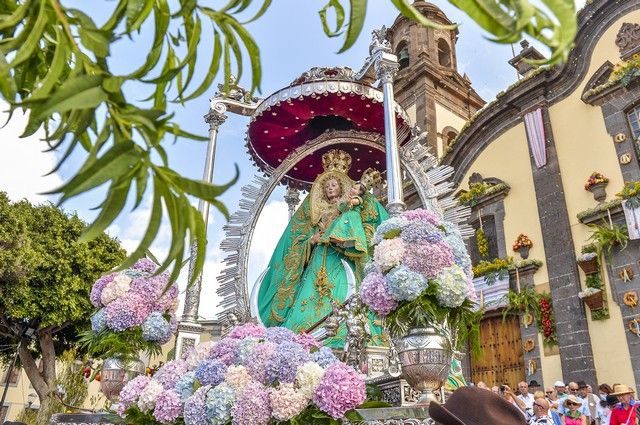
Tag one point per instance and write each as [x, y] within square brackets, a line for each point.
[545, 88]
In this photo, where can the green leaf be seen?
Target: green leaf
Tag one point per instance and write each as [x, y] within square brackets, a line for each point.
[201, 189]
[117, 16]
[7, 83]
[253, 51]
[95, 40]
[263, 9]
[137, 12]
[339, 11]
[356, 22]
[27, 49]
[212, 71]
[411, 12]
[56, 68]
[8, 21]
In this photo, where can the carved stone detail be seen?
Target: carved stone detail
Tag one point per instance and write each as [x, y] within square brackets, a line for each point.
[628, 39]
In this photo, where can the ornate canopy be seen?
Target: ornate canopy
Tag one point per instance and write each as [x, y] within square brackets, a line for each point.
[320, 100]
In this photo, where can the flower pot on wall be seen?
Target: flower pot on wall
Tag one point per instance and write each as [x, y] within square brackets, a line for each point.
[594, 301]
[590, 266]
[599, 191]
[524, 252]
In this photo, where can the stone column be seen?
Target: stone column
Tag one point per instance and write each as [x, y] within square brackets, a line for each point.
[189, 329]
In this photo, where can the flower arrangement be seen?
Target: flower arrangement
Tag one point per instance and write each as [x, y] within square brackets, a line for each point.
[419, 263]
[494, 270]
[528, 301]
[254, 376]
[522, 241]
[136, 312]
[594, 179]
[626, 71]
[631, 193]
[547, 320]
[587, 256]
[482, 242]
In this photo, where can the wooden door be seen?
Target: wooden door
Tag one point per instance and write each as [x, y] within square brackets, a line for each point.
[501, 360]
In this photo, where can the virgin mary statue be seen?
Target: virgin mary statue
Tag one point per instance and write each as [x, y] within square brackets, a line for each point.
[326, 241]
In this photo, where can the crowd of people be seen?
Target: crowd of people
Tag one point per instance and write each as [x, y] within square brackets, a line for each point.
[572, 404]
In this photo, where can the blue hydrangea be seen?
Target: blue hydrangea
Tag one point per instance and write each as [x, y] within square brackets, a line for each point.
[458, 247]
[419, 231]
[219, 402]
[324, 357]
[211, 372]
[99, 320]
[194, 412]
[156, 328]
[283, 365]
[388, 229]
[184, 385]
[135, 273]
[406, 285]
[279, 335]
[245, 348]
[370, 267]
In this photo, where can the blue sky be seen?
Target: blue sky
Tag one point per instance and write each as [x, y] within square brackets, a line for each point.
[291, 40]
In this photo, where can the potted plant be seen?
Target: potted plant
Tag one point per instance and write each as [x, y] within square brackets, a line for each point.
[588, 260]
[605, 237]
[630, 193]
[596, 184]
[522, 245]
[593, 298]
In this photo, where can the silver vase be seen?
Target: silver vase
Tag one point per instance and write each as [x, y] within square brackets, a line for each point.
[115, 374]
[426, 361]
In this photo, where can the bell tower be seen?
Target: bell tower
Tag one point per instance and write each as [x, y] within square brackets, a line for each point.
[428, 84]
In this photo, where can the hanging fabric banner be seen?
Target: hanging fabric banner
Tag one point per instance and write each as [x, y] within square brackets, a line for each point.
[535, 133]
[632, 216]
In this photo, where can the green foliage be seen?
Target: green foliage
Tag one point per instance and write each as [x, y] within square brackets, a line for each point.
[493, 270]
[483, 243]
[125, 345]
[527, 301]
[605, 237]
[53, 63]
[594, 281]
[27, 416]
[472, 196]
[631, 192]
[601, 314]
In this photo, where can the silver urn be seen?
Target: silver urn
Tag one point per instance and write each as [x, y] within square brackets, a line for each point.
[115, 374]
[425, 358]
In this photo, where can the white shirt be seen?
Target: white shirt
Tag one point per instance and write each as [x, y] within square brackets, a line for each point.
[528, 399]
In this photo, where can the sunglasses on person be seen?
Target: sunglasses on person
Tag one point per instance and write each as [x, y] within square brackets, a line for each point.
[573, 404]
[538, 405]
[549, 392]
[573, 389]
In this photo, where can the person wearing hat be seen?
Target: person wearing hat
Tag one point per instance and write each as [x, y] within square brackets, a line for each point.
[592, 401]
[572, 415]
[574, 390]
[603, 416]
[624, 413]
[561, 389]
[475, 406]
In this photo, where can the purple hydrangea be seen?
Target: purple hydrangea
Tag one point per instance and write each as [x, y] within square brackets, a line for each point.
[168, 407]
[324, 357]
[421, 215]
[132, 389]
[257, 362]
[427, 258]
[211, 372]
[145, 265]
[417, 231]
[253, 406]
[376, 295]
[225, 350]
[150, 286]
[248, 329]
[279, 335]
[405, 284]
[96, 290]
[219, 404]
[194, 411]
[127, 312]
[156, 328]
[170, 372]
[168, 300]
[283, 365]
[99, 320]
[340, 390]
[307, 341]
[184, 385]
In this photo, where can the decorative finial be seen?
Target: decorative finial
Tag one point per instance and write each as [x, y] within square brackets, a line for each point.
[370, 178]
[379, 41]
[336, 160]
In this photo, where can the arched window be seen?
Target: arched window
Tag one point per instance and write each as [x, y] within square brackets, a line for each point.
[403, 54]
[448, 135]
[634, 122]
[444, 53]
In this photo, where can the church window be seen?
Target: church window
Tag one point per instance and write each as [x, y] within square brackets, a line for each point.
[403, 54]
[489, 230]
[444, 53]
[634, 122]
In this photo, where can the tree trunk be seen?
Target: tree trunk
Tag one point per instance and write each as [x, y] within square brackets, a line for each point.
[44, 383]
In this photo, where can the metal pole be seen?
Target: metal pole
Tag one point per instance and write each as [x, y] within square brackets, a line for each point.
[9, 372]
[214, 118]
[292, 198]
[386, 66]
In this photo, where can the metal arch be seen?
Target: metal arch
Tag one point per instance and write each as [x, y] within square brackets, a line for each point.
[429, 179]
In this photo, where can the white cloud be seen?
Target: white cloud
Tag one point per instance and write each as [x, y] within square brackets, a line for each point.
[23, 164]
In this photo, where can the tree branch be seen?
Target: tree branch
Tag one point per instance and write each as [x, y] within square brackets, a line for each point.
[31, 369]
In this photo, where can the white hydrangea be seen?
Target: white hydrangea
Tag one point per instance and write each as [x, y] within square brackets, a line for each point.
[308, 378]
[148, 396]
[237, 377]
[115, 289]
[452, 287]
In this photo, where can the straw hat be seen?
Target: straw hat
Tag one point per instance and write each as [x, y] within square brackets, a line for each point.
[572, 399]
[621, 389]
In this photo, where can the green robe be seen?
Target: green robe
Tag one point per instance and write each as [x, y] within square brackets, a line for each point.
[303, 278]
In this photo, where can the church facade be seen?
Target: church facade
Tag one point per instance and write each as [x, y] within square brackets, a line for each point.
[523, 164]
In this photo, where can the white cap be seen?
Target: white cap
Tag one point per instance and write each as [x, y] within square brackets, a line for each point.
[559, 384]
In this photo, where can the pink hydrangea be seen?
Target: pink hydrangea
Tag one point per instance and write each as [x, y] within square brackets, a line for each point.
[388, 253]
[168, 407]
[427, 258]
[307, 341]
[421, 215]
[237, 377]
[198, 354]
[286, 402]
[96, 290]
[225, 350]
[170, 372]
[248, 329]
[375, 294]
[340, 390]
[471, 290]
[132, 389]
[253, 406]
[116, 289]
[145, 265]
[126, 312]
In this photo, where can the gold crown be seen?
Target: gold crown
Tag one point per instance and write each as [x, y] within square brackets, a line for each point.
[370, 178]
[336, 160]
